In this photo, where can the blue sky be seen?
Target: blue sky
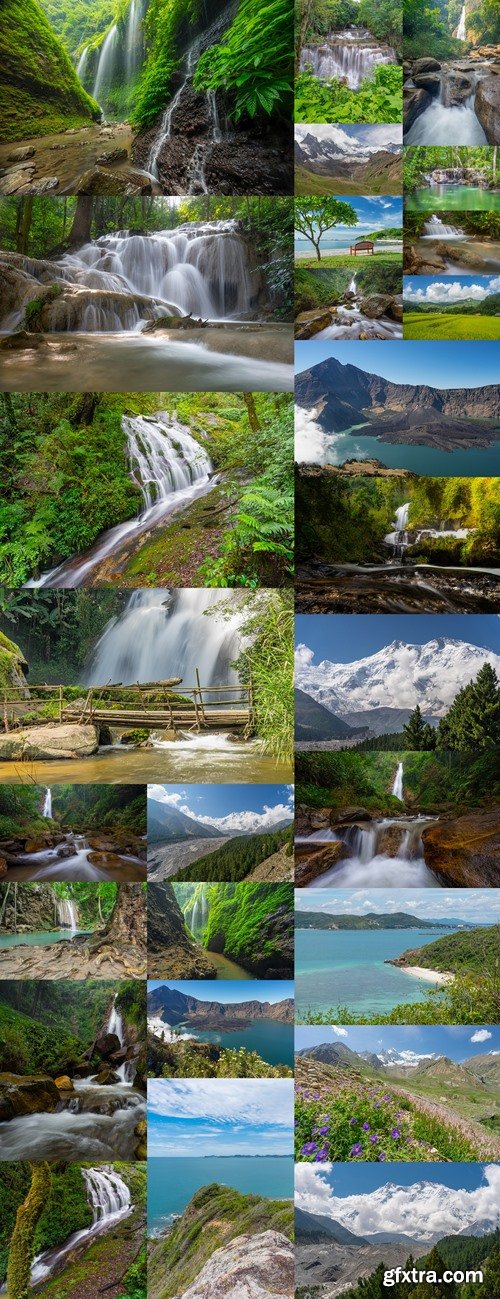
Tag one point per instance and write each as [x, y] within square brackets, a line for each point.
[433, 289]
[373, 214]
[454, 1041]
[230, 992]
[215, 1116]
[442, 365]
[371, 137]
[479, 906]
[358, 1179]
[229, 808]
[344, 638]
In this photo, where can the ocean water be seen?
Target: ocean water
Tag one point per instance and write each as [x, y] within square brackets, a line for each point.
[346, 968]
[272, 1041]
[352, 444]
[333, 244]
[173, 1182]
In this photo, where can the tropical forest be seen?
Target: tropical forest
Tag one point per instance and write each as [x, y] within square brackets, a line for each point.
[67, 930]
[348, 57]
[72, 832]
[220, 931]
[147, 96]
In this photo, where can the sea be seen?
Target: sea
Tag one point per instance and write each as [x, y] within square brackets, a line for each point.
[173, 1182]
[272, 1041]
[346, 968]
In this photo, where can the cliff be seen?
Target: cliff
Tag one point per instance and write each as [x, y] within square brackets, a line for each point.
[170, 946]
[177, 1008]
[40, 91]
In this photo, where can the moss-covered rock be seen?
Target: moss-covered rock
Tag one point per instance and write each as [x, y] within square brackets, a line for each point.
[40, 91]
[13, 665]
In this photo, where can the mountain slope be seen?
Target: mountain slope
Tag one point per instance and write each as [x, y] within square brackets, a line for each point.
[168, 825]
[39, 90]
[429, 675]
[176, 1007]
[372, 920]
[313, 721]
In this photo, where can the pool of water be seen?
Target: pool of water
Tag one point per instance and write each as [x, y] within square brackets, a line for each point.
[453, 198]
[44, 938]
[354, 445]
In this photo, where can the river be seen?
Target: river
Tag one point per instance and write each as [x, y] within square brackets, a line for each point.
[212, 758]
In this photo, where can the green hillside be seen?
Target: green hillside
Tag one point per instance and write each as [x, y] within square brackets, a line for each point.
[236, 859]
[39, 91]
[468, 952]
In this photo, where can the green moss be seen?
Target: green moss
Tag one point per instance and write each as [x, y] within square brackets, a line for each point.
[40, 91]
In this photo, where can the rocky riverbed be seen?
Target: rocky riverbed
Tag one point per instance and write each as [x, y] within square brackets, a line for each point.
[93, 160]
[434, 88]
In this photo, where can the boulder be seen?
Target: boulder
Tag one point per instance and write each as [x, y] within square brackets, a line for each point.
[99, 181]
[395, 308]
[376, 305]
[425, 65]
[42, 743]
[20, 155]
[107, 1077]
[106, 1045]
[414, 103]
[249, 1267]
[19, 1095]
[487, 107]
[457, 87]
[389, 840]
[141, 1132]
[430, 81]
[15, 180]
[64, 1083]
[114, 155]
[309, 323]
[464, 852]
[42, 186]
[352, 814]
[318, 863]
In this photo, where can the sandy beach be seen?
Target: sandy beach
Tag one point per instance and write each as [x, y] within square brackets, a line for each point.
[433, 976]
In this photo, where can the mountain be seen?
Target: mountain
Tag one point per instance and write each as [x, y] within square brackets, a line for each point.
[364, 169]
[315, 722]
[315, 1226]
[421, 1213]
[372, 920]
[177, 1007]
[429, 675]
[486, 1066]
[333, 1053]
[39, 88]
[343, 395]
[167, 825]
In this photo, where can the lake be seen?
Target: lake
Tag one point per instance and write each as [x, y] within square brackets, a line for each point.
[346, 968]
[173, 1182]
[272, 1041]
[353, 445]
[42, 939]
[453, 198]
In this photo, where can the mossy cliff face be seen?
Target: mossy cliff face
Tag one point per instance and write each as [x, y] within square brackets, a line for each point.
[40, 91]
[173, 952]
[252, 924]
[12, 664]
[200, 1243]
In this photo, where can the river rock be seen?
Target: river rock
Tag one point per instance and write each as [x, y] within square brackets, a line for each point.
[141, 1132]
[308, 870]
[99, 181]
[425, 65]
[395, 308]
[20, 155]
[114, 155]
[348, 814]
[465, 852]
[430, 81]
[457, 87]
[376, 305]
[15, 180]
[42, 743]
[249, 1267]
[42, 186]
[106, 1045]
[389, 840]
[107, 1077]
[487, 107]
[20, 1095]
[64, 1083]
[309, 323]
[414, 103]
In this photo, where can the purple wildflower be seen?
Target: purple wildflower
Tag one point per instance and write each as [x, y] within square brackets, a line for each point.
[366, 1127]
[395, 1133]
[357, 1149]
[309, 1148]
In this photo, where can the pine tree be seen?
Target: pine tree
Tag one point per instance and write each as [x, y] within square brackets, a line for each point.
[473, 721]
[417, 733]
[490, 1289]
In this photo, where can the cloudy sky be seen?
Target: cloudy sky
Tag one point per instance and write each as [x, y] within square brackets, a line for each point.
[479, 906]
[367, 1200]
[215, 1116]
[359, 139]
[450, 292]
[444, 365]
[414, 1042]
[229, 808]
[229, 992]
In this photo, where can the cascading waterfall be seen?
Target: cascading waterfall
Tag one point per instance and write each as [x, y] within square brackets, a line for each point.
[461, 35]
[397, 788]
[47, 804]
[68, 914]
[199, 913]
[106, 66]
[170, 469]
[351, 323]
[442, 123]
[110, 1201]
[368, 863]
[163, 634]
[348, 55]
[436, 229]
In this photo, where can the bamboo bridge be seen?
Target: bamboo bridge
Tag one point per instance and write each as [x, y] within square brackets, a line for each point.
[153, 705]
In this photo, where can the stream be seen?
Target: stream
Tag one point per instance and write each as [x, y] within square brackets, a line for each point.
[109, 1198]
[455, 259]
[213, 758]
[94, 1123]
[353, 324]
[369, 866]
[227, 969]
[168, 467]
[351, 56]
[50, 864]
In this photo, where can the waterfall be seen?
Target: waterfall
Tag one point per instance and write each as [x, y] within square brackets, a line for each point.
[199, 913]
[167, 465]
[163, 634]
[106, 65]
[115, 1023]
[68, 914]
[442, 124]
[461, 36]
[166, 122]
[372, 860]
[402, 515]
[397, 788]
[343, 56]
[132, 44]
[47, 806]
[82, 63]
[109, 1199]
[435, 229]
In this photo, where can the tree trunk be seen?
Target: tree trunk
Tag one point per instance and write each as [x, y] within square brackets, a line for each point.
[10, 414]
[253, 418]
[126, 923]
[25, 225]
[85, 408]
[22, 1245]
[82, 221]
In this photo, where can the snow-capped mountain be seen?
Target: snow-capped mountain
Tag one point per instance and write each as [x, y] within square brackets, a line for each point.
[332, 142]
[423, 1212]
[407, 1059]
[398, 676]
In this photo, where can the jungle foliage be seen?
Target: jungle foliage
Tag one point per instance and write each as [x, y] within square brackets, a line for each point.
[433, 782]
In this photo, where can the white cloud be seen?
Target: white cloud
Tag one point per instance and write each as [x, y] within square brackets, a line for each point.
[248, 1102]
[391, 1208]
[311, 443]
[481, 1035]
[450, 291]
[339, 1032]
[250, 822]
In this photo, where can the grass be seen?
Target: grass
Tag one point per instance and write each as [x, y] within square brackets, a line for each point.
[440, 325]
[345, 259]
[307, 182]
[371, 1124]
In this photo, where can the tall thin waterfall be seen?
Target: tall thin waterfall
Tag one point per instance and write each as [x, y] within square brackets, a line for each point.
[163, 634]
[133, 42]
[461, 34]
[352, 56]
[115, 1023]
[82, 63]
[106, 64]
[47, 805]
[110, 1201]
[199, 913]
[168, 466]
[68, 914]
[397, 787]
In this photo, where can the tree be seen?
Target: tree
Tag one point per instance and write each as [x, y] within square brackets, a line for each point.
[22, 1245]
[314, 216]
[82, 221]
[417, 733]
[473, 721]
